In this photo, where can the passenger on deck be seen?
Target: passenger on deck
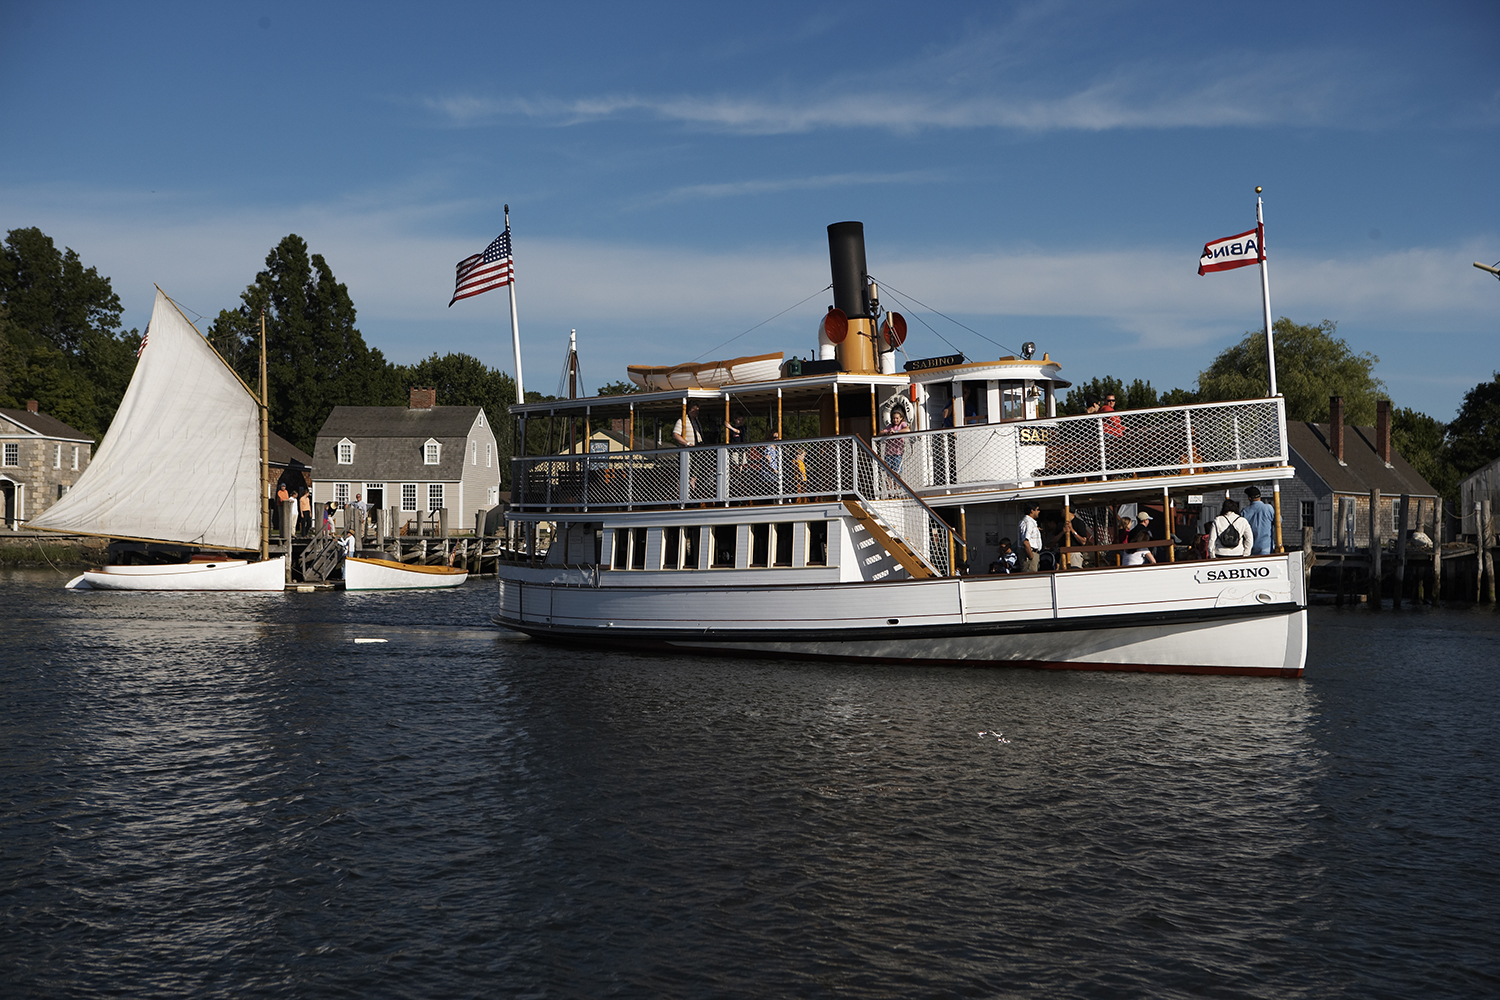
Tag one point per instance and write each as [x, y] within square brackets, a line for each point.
[895, 449]
[1230, 535]
[1262, 518]
[1031, 539]
[1005, 562]
[1141, 556]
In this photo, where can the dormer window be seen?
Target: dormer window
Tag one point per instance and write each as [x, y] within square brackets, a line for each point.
[432, 452]
[346, 452]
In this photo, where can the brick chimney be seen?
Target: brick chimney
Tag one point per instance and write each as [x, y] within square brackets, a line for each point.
[422, 399]
[1336, 427]
[1383, 430]
[31, 406]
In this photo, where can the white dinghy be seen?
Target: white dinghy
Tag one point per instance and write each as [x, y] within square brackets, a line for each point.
[386, 574]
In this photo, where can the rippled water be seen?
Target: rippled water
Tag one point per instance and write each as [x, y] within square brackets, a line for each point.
[227, 796]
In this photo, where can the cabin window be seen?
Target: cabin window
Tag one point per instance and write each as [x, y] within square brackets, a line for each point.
[1012, 401]
[341, 493]
[671, 552]
[346, 452]
[782, 535]
[432, 452]
[622, 549]
[435, 496]
[12, 453]
[817, 543]
[57, 456]
[760, 545]
[637, 548]
[1309, 510]
[75, 458]
[408, 496]
[724, 537]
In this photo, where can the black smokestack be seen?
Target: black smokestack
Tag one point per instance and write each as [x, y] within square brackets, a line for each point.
[846, 253]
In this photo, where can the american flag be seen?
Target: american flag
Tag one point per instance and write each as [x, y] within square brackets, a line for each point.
[483, 271]
[144, 337]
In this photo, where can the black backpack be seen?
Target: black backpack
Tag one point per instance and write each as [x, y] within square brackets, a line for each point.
[1230, 536]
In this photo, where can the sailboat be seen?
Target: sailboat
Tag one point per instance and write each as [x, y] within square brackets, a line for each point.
[183, 462]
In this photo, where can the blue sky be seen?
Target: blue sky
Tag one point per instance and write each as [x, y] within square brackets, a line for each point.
[1038, 171]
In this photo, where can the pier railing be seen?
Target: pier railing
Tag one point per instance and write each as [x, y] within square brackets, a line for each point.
[1206, 437]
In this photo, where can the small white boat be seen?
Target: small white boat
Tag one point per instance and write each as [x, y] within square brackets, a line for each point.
[226, 574]
[707, 374]
[386, 574]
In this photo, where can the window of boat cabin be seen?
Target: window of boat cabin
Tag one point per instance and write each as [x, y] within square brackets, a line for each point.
[408, 496]
[637, 548]
[781, 536]
[1012, 401]
[817, 543]
[679, 548]
[976, 401]
[435, 496]
[346, 452]
[622, 549]
[760, 545]
[724, 537]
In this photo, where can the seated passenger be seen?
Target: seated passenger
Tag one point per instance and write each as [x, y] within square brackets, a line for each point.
[1005, 562]
[1141, 556]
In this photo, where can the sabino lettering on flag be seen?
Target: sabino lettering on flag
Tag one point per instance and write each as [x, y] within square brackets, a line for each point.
[1233, 251]
[491, 269]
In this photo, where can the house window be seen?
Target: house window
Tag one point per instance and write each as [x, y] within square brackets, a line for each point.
[346, 452]
[432, 452]
[1308, 509]
[75, 458]
[341, 493]
[435, 496]
[57, 456]
[487, 449]
[408, 496]
[473, 452]
[12, 453]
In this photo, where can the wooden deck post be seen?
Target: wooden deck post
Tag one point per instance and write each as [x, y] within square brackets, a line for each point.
[1400, 582]
[1486, 556]
[1437, 553]
[1375, 568]
[1276, 499]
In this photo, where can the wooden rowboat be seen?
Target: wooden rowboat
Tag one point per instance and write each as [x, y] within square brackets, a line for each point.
[707, 374]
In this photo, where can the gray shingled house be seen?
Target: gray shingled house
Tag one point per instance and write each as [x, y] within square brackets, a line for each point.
[1336, 463]
[418, 458]
[40, 459]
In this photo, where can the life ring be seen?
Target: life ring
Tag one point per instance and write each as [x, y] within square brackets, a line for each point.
[888, 409]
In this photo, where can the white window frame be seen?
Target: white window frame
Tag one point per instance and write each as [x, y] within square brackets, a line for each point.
[57, 455]
[435, 490]
[489, 451]
[75, 458]
[11, 455]
[346, 452]
[341, 493]
[473, 452]
[432, 452]
[409, 490]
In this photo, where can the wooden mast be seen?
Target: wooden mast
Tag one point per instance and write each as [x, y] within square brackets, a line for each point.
[265, 448]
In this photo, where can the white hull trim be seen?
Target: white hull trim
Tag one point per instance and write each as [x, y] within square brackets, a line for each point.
[229, 574]
[384, 574]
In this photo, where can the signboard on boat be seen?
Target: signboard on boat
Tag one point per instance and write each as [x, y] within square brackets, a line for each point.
[922, 364]
[1032, 434]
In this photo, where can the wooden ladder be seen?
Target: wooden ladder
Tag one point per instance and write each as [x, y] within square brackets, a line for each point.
[903, 553]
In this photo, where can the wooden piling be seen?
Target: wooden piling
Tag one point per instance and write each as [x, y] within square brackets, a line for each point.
[1485, 555]
[1437, 554]
[1400, 582]
[1375, 568]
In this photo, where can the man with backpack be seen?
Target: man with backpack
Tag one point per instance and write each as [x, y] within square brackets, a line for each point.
[1230, 535]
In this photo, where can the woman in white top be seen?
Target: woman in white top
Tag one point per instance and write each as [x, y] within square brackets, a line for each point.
[1229, 527]
[1141, 556]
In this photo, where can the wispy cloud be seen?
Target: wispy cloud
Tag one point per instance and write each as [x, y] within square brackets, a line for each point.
[737, 189]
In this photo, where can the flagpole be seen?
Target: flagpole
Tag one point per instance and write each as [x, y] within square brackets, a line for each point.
[1265, 295]
[515, 329]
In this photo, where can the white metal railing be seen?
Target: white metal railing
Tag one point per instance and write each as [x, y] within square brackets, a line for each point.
[1206, 437]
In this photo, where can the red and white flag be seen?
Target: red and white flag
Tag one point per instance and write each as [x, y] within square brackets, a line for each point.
[1233, 251]
[493, 268]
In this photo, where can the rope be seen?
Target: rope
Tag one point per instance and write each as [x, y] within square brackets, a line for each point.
[763, 322]
[43, 552]
[945, 316]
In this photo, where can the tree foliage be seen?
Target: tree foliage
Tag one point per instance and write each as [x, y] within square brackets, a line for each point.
[1311, 365]
[1474, 435]
[621, 388]
[1422, 441]
[1138, 395]
[61, 342]
[316, 357]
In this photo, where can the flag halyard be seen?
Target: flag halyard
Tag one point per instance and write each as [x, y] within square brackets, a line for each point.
[1240, 250]
[494, 268]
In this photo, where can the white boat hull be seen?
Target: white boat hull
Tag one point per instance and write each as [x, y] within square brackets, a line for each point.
[385, 574]
[229, 574]
[1180, 618]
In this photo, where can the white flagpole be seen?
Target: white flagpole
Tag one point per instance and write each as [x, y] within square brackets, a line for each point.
[1265, 296]
[515, 329]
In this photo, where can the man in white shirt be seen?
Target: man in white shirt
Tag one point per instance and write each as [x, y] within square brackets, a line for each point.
[1031, 539]
[687, 433]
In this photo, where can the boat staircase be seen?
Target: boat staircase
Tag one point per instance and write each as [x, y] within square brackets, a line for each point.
[909, 559]
[319, 558]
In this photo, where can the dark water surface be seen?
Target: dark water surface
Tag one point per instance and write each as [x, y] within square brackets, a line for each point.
[227, 796]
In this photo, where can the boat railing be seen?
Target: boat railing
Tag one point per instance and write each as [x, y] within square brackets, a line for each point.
[905, 515]
[1242, 436]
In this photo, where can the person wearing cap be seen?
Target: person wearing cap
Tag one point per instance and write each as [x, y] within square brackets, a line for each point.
[1140, 533]
[1262, 518]
[1031, 539]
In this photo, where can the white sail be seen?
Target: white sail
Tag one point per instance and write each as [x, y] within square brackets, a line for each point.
[181, 461]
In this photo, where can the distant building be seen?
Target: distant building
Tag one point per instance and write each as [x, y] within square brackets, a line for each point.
[1337, 466]
[419, 458]
[40, 459]
[1482, 484]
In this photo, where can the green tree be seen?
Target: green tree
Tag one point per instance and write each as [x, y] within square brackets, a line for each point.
[1138, 395]
[1421, 440]
[1474, 435]
[64, 344]
[621, 388]
[464, 380]
[316, 357]
[1311, 365]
